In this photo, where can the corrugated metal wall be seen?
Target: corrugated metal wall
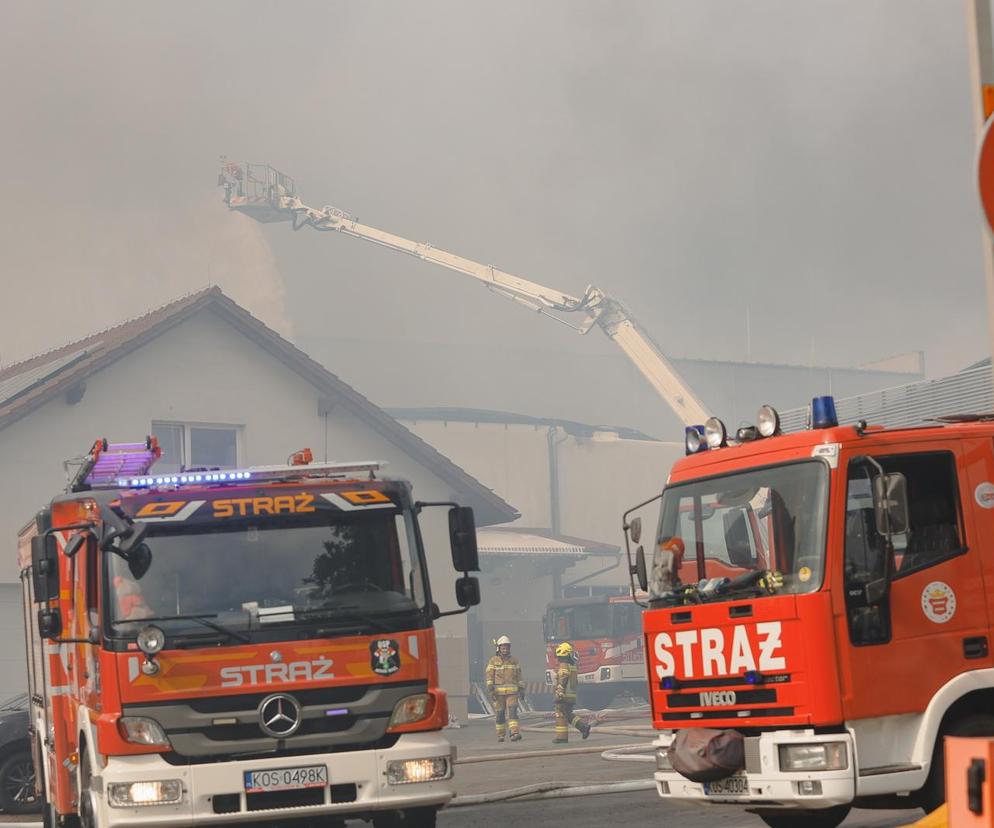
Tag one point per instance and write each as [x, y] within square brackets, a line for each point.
[968, 392]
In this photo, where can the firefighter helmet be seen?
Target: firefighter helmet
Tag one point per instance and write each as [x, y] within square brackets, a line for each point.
[564, 650]
[500, 642]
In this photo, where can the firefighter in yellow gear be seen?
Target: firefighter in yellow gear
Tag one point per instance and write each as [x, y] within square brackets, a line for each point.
[505, 688]
[565, 695]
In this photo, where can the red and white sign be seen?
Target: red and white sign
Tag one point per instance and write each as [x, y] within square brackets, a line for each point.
[938, 602]
[985, 172]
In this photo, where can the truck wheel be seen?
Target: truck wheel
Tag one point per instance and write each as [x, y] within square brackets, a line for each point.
[933, 792]
[87, 808]
[803, 818]
[17, 784]
[408, 818]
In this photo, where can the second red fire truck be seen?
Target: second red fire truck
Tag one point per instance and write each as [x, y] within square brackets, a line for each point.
[825, 598]
[606, 633]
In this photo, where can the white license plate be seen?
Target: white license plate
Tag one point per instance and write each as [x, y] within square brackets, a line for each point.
[286, 779]
[730, 786]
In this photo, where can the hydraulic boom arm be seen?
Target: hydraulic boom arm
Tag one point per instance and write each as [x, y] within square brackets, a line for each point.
[259, 191]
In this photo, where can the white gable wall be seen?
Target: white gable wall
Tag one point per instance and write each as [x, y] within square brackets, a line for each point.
[201, 371]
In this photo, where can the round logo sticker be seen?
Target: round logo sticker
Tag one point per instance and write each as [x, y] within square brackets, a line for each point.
[984, 495]
[804, 574]
[938, 602]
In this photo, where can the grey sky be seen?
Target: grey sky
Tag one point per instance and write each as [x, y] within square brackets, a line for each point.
[810, 161]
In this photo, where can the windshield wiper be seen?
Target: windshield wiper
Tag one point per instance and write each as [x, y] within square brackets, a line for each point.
[346, 612]
[203, 619]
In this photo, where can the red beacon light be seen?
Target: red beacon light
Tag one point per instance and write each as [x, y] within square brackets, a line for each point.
[304, 457]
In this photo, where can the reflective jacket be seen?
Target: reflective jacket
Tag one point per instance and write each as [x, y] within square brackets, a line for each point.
[566, 682]
[504, 675]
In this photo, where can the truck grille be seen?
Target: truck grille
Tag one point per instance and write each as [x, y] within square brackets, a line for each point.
[332, 719]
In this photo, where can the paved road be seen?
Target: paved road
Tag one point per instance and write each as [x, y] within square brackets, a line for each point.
[635, 809]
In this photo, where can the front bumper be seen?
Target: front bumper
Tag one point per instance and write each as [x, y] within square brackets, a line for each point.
[766, 785]
[358, 784]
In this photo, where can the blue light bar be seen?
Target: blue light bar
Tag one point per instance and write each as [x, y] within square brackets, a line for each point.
[257, 473]
[823, 413]
[184, 479]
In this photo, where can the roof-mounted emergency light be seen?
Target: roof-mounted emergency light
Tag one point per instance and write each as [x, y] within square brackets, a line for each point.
[823, 413]
[255, 473]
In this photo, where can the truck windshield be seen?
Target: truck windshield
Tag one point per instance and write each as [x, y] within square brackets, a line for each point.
[592, 621]
[769, 520]
[253, 574]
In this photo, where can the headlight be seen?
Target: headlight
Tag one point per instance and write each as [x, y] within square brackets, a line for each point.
[405, 771]
[823, 757]
[141, 731]
[715, 433]
[767, 421]
[412, 709]
[663, 762]
[132, 794]
[605, 673]
[151, 639]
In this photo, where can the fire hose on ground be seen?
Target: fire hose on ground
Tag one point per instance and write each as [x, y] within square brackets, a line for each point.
[553, 790]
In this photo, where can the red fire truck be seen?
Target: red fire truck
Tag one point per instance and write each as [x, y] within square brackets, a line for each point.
[606, 633]
[831, 606]
[219, 646]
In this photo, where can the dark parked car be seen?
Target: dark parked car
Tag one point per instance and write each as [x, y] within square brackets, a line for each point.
[17, 773]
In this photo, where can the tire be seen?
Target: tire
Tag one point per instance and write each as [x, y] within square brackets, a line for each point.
[87, 812]
[933, 792]
[803, 818]
[17, 784]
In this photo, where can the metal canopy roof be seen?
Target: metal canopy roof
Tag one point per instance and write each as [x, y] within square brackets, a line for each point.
[526, 542]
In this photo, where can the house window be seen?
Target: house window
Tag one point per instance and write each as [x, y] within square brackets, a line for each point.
[196, 445]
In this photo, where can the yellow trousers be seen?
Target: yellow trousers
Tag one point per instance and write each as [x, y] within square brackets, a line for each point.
[506, 708]
[566, 717]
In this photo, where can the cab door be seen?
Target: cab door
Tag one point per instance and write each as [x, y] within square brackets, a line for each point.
[897, 650]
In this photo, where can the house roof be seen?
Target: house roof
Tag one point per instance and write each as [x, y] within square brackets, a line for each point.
[26, 385]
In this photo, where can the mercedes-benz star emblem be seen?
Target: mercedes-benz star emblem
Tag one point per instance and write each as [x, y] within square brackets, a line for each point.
[279, 715]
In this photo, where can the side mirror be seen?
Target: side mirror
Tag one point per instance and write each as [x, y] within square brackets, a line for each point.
[467, 591]
[44, 568]
[462, 537]
[74, 544]
[890, 503]
[875, 591]
[49, 623]
[139, 560]
[639, 570]
[132, 539]
[635, 529]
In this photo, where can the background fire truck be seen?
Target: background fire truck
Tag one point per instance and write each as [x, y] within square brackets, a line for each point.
[247, 645]
[606, 632]
[854, 631]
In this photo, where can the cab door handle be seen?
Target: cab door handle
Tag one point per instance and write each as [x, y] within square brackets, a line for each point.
[975, 647]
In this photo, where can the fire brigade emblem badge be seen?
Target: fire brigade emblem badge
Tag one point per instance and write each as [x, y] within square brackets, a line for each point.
[384, 656]
[984, 495]
[938, 602]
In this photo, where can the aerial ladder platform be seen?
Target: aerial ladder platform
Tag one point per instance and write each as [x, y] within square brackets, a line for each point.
[267, 195]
